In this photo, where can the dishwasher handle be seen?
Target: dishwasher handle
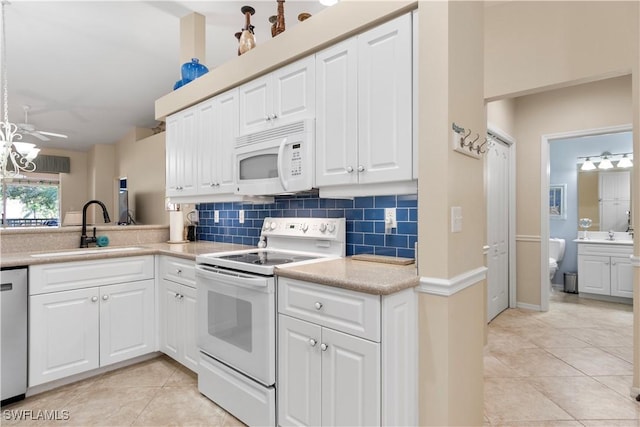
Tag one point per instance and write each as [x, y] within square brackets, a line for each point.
[6, 287]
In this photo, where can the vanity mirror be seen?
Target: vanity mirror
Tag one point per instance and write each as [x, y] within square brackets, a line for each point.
[605, 197]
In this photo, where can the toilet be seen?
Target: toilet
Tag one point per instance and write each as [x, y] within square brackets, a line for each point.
[556, 253]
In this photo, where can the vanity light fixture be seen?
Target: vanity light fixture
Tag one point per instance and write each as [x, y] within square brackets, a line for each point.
[605, 163]
[625, 162]
[588, 165]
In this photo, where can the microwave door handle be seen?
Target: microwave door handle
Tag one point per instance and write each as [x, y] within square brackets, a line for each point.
[283, 182]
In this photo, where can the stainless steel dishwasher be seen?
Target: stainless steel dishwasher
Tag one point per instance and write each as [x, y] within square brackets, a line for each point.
[13, 321]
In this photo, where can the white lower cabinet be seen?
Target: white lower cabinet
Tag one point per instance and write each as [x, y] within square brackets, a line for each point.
[177, 307]
[76, 330]
[605, 269]
[330, 377]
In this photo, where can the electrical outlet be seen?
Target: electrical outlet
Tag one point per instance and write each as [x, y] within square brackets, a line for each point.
[456, 219]
[216, 216]
[241, 216]
[390, 218]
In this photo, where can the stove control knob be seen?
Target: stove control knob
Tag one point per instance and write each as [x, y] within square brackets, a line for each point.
[265, 226]
[273, 225]
[323, 227]
[304, 227]
[331, 227]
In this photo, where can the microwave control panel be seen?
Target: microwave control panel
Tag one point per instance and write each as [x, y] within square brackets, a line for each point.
[296, 159]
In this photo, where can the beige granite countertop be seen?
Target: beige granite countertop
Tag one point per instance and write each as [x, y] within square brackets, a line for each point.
[362, 276]
[184, 250]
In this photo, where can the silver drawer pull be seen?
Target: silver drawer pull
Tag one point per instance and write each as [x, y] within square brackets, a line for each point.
[94, 299]
[318, 305]
[178, 271]
[324, 347]
[312, 342]
[105, 297]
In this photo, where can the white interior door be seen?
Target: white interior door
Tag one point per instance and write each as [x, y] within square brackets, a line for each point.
[498, 179]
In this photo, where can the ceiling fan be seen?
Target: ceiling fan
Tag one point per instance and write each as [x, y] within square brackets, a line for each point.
[29, 129]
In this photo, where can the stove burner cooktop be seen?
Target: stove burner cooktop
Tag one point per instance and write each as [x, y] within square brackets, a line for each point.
[265, 258]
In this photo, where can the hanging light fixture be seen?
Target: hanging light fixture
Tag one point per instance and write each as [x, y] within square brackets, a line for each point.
[625, 162]
[16, 156]
[588, 165]
[605, 163]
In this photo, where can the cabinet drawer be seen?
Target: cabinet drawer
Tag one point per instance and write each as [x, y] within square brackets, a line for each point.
[348, 311]
[178, 270]
[605, 250]
[84, 274]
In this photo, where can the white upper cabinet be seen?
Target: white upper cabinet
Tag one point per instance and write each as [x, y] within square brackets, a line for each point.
[364, 108]
[384, 102]
[181, 159]
[199, 144]
[280, 97]
[337, 114]
[218, 127]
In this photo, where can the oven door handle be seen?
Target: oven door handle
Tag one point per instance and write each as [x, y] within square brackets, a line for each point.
[283, 182]
[238, 278]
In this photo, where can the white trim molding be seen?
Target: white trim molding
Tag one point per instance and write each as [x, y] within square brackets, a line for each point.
[448, 287]
[635, 261]
[526, 238]
[529, 306]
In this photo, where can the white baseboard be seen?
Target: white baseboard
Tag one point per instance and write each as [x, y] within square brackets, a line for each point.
[528, 306]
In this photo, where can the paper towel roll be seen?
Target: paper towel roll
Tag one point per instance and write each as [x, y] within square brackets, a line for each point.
[176, 226]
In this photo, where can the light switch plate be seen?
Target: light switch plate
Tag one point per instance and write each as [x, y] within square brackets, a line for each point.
[216, 216]
[456, 219]
[390, 217]
[241, 216]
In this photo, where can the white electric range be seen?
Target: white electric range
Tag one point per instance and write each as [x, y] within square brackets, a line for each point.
[237, 312]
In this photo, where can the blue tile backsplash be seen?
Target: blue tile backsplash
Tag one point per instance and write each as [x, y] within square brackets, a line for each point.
[364, 221]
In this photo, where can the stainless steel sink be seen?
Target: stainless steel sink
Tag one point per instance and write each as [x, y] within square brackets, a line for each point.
[89, 251]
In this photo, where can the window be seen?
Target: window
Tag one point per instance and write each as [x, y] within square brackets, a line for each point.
[31, 201]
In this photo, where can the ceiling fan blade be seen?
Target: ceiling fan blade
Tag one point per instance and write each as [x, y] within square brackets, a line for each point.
[57, 135]
[38, 135]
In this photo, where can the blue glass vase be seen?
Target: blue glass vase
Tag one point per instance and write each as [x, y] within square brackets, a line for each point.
[192, 70]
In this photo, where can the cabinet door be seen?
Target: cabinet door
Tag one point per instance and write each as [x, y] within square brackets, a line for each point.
[181, 163]
[621, 277]
[299, 379]
[208, 128]
[384, 102]
[127, 324]
[226, 139]
[336, 114]
[350, 380]
[256, 105]
[593, 274]
[189, 328]
[169, 327]
[63, 334]
[294, 91]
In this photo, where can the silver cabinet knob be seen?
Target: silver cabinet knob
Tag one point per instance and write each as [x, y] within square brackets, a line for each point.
[268, 118]
[312, 342]
[176, 296]
[318, 305]
[178, 271]
[349, 169]
[275, 116]
[360, 168]
[94, 299]
[212, 184]
[324, 347]
[105, 297]
[181, 297]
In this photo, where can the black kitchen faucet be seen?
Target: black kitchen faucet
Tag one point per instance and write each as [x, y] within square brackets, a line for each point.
[84, 240]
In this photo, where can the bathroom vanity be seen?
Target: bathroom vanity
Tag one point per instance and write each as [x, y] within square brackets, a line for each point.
[605, 270]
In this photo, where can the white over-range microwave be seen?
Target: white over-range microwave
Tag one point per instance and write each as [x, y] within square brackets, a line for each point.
[277, 160]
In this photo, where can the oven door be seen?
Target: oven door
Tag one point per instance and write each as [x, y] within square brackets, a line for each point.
[236, 320]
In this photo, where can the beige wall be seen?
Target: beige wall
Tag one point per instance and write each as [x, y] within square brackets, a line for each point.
[588, 106]
[101, 161]
[141, 159]
[532, 45]
[451, 328]
[74, 187]
[501, 114]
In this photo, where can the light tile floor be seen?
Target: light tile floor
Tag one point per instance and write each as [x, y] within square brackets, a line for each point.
[569, 366]
[157, 392]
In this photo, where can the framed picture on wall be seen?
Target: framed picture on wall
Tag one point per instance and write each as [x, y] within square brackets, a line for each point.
[558, 201]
